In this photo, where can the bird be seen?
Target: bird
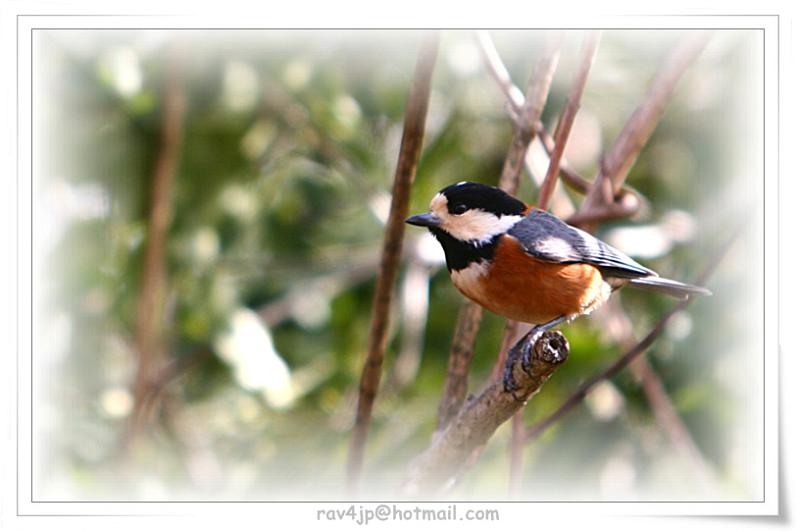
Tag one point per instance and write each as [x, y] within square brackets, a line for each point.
[524, 263]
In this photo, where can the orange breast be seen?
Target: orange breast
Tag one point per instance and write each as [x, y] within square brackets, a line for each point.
[525, 289]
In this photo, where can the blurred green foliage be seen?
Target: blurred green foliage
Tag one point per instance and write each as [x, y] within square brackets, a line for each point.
[290, 141]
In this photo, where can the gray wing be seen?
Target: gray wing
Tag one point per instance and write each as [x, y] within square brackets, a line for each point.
[546, 237]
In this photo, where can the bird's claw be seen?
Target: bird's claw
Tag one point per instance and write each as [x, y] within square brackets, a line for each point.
[524, 351]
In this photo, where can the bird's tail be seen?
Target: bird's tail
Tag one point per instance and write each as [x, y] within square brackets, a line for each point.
[672, 288]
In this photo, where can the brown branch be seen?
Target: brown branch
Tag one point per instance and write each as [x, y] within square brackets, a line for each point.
[514, 96]
[459, 358]
[408, 157]
[515, 100]
[625, 206]
[667, 416]
[639, 127]
[149, 312]
[469, 319]
[616, 322]
[567, 118]
[537, 429]
[478, 419]
[525, 130]
[529, 114]
[567, 174]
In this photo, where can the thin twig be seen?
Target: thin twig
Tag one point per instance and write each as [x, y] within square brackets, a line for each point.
[515, 101]
[529, 114]
[567, 174]
[537, 429]
[615, 322]
[634, 135]
[567, 118]
[409, 155]
[149, 312]
[514, 96]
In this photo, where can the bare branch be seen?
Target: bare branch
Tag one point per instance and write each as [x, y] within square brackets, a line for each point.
[545, 194]
[616, 323]
[479, 418]
[514, 96]
[411, 144]
[149, 313]
[515, 100]
[568, 118]
[634, 135]
[567, 174]
[537, 429]
[528, 111]
[666, 415]
[625, 206]
[469, 318]
[529, 114]
[459, 358]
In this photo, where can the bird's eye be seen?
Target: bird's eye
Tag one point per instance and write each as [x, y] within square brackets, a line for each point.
[460, 209]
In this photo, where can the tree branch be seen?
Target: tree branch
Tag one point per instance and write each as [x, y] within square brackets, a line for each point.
[411, 144]
[515, 100]
[639, 127]
[461, 354]
[529, 114]
[615, 322]
[149, 312]
[568, 118]
[469, 318]
[567, 174]
[479, 418]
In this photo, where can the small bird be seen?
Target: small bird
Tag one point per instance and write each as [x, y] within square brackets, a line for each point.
[526, 264]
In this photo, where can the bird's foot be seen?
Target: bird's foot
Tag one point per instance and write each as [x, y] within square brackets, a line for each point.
[523, 351]
[550, 347]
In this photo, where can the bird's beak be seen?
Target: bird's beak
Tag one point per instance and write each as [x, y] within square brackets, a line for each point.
[424, 220]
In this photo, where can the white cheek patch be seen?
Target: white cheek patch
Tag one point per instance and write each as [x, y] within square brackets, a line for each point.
[475, 225]
[478, 226]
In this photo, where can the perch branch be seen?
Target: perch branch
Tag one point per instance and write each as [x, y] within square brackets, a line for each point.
[408, 157]
[469, 319]
[480, 417]
[527, 116]
[537, 429]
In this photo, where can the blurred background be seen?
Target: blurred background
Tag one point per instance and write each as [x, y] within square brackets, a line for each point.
[238, 182]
